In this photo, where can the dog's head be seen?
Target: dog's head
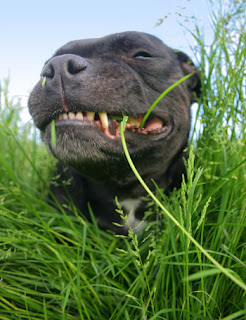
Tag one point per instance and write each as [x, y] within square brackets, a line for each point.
[88, 84]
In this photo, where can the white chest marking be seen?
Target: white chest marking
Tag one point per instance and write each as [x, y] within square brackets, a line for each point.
[130, 206]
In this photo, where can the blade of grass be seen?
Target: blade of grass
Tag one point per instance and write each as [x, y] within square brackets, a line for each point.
[164, 93]
[43, 82]
[218, 265]
[53, 133]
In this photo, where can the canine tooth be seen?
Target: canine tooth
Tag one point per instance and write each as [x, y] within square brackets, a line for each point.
[60, 117]
[104, 119]
[64, 116]
[90, 116]
[71, 115]
[79, 116]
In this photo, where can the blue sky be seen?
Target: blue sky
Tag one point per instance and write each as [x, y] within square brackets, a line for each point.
[31, 31]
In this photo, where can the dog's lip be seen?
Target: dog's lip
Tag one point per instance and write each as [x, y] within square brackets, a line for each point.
[155, 125]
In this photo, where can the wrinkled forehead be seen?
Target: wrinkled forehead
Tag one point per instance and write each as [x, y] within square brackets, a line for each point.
[118, 43]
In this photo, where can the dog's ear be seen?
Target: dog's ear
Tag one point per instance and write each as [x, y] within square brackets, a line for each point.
[194, 82]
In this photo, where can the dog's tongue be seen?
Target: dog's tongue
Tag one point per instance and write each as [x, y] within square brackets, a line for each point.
[133, 124]
[154, 124]
[150, 125]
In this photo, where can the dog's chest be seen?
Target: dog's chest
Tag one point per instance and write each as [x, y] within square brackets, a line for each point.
[130, 207]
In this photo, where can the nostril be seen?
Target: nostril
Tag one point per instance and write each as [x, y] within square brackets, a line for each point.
[76, 65]
[48, 71]
[64, 66]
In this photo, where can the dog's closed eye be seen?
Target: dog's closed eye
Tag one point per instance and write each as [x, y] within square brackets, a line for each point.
[142, 54]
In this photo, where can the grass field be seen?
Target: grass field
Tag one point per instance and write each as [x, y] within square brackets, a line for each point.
[190, 264]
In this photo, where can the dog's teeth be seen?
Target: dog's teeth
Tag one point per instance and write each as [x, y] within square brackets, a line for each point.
[135, 122]
[64, 116]
[60, 117]
[104, 119]
[71, 115]
[79, 116]
[90, 116]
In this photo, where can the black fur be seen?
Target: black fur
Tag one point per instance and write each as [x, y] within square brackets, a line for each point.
[121, 73]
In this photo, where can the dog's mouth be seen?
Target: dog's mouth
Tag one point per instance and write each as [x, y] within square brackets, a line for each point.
[109, 124]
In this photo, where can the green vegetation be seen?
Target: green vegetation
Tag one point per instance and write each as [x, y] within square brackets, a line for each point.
[162, 96]
[59, 266]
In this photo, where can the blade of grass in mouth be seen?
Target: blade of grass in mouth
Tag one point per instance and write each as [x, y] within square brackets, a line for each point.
[117, 118]
[164, 93]
[53, 133]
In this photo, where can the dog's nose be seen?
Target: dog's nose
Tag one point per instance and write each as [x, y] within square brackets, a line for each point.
[64, 66]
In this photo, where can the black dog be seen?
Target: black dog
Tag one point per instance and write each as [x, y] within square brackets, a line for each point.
[84, 87]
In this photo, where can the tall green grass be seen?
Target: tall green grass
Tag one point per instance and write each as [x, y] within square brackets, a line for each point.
[59, 266]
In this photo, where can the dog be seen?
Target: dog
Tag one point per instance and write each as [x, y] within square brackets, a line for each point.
[84, 89]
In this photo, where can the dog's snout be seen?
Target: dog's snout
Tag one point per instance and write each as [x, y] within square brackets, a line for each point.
[64, 66]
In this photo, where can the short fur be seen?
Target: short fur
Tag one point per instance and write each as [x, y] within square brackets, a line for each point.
[122, 73]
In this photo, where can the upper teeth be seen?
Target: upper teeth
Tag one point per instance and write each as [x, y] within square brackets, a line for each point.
[71, 115]
[104, 119]
[89, 115]
[79, 116]
[135, 121]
